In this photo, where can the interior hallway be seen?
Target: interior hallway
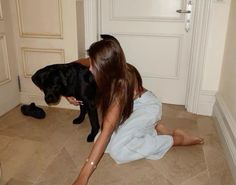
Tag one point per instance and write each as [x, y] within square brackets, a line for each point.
[51, 152]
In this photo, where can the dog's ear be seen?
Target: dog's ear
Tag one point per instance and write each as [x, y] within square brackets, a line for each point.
[37, 79]
[63, 78]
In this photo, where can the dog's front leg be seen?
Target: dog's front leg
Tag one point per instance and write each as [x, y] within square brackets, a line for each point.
[80, 118]
[93, 118]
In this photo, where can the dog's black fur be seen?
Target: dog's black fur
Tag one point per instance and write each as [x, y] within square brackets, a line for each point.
[72, 79]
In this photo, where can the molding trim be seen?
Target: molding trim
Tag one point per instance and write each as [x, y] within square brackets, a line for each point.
[25, 34]
[226, 126]
[61, 52]
[142, 18]
[197, 58]
[206, 103]
[3, 45]
[176, 73]
[90, 22]
[1, 14]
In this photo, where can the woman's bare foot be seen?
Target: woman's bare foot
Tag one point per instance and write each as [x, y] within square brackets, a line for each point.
[181, 138]
[162, 130]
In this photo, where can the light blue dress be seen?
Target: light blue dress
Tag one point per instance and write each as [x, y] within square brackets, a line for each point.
[137, 138]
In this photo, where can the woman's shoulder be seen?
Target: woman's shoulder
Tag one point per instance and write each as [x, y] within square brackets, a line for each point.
[84, 61]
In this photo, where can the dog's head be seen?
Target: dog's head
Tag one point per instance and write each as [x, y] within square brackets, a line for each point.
[51, 81]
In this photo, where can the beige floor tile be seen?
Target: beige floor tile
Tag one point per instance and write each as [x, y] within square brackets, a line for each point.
[200, 179]
[52, 150]
[181, 163]
[61, 171]
[18, 182]
[177, 111]
[221, 176]
[14, 156]
[37, 163]
[77, 146]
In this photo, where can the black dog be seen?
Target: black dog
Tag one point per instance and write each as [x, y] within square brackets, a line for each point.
[72, 79]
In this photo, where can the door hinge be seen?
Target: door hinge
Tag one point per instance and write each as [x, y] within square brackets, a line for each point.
[19, 83]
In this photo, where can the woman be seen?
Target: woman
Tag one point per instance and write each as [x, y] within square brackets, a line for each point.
[129, 129]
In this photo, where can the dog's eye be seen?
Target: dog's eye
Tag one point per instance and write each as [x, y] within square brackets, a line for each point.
[57, 88]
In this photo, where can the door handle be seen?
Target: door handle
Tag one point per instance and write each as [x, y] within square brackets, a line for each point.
[183, 11]
[187, 12]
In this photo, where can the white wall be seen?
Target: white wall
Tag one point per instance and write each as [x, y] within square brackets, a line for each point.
[215, 45]
[225, 107]
[227, 84]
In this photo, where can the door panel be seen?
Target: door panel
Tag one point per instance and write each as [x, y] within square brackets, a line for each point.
[159, 45]
[150, 9]
[154, 39]
[32, 14]
[5, 75]
[46, 33]
[34, 59]
[9, 91]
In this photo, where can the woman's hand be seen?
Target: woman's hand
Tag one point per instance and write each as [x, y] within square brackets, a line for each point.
[72, 100]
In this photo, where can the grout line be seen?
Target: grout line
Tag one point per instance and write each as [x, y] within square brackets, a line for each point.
[194, 177]
[54, 156]
[207, 167]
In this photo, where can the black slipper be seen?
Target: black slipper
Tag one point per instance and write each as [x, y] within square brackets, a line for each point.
[33, 110]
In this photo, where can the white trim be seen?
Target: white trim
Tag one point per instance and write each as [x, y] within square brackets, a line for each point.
[90, 22]
[206, 103]
[197, 59]
[226, 126]
[1, 14]
[200, 33]
[3, 45]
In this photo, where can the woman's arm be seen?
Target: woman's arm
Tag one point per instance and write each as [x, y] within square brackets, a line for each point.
[109, 124]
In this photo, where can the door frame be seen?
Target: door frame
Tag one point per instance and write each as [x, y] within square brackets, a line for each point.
[198, 46]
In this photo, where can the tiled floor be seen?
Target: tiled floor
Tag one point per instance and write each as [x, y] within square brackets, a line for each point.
[51, 152]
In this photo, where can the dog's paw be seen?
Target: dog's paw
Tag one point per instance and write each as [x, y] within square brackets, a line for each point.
[90, 138]
[78, 120]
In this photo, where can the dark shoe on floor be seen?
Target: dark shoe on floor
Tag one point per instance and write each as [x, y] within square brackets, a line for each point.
[33, 110]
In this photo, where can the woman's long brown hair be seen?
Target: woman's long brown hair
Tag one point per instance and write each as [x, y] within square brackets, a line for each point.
[111, 74]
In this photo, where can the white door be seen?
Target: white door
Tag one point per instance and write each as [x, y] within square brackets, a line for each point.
[45, 33]
[155, 39]
[9, 91]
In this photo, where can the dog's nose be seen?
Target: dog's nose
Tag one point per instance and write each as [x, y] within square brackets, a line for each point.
[50, 99]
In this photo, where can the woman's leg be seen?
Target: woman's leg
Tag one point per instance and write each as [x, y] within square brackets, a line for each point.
[180, 137]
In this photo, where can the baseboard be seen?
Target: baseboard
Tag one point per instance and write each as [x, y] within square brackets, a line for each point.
[226, 127]
[39, 100]
[206, 103]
